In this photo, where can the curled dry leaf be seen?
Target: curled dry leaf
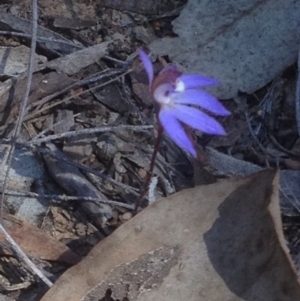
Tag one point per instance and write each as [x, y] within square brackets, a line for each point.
[217, 242]
[73, 182]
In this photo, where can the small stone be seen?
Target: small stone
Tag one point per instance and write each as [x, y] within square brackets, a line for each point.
[142, 173]
[127, 216]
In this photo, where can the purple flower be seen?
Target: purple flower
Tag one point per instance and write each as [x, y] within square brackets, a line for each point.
[174, 92]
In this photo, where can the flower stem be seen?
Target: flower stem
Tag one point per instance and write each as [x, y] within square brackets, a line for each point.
[150, 172]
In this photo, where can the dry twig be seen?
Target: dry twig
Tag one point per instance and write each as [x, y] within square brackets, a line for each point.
[89, 131]
[17, 131]
[39, 39]
[298, 97]
[86, 81]
[69, 198]
[89, 170]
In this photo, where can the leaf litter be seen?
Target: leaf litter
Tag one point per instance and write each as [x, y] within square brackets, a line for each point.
[90, 126]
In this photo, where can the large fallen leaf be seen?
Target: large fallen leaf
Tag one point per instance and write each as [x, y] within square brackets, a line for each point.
[217, 242]
[244, 44]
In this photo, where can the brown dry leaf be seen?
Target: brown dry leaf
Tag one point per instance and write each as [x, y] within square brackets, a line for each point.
[74, 62]
[217, 242]
[292, 164]
[42, 86]
[36, 242]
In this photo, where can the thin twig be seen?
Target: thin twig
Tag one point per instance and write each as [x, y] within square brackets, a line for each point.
[80, 166]
[17, 131]
[39, 39]
[253, 134]
[298, 96]
[24, 257]
[69, 198]
[282, 148]
[296, 203]
[89, 80]
[24, 102]
[50, 97]
[78, 84]
[122, 63]
[49, 128]
[90, 170]
[89, 131]
[151, 168]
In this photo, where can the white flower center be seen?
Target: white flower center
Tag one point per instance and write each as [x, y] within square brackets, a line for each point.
[163, 94]
[179, 87]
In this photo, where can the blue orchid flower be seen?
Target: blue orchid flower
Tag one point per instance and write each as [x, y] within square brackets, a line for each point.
[174, 92]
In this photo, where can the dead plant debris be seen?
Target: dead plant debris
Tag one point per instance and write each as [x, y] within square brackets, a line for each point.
[85, 145]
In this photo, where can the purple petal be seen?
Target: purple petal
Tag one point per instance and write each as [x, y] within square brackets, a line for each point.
[176, 131]
[197, 120]
[191, 81]
[202, 99]
[169, 68]
[147, 65]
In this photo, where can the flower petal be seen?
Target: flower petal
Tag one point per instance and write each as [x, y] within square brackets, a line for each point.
[169, 68]
[175, 130]
[191, 81]
[202, 99]
[147, 65]
[197, 120]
